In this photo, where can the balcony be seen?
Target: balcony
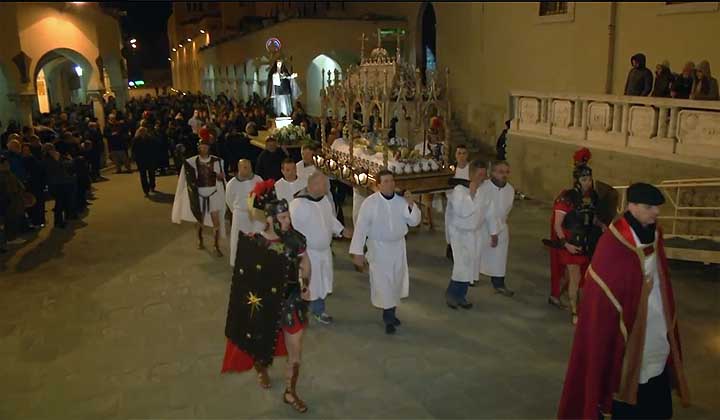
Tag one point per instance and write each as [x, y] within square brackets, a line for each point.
[675, 129]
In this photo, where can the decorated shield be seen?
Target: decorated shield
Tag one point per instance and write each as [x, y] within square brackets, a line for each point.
[191, 183]
[608, 200]
[256, 299]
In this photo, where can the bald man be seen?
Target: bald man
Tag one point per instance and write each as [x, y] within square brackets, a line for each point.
[236, 197]
[312, 215]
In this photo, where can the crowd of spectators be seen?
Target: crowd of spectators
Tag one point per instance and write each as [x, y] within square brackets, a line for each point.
[62, 153]
[693, 82]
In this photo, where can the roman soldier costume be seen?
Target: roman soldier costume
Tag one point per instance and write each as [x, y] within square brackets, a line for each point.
[200, 192]
[265, 296]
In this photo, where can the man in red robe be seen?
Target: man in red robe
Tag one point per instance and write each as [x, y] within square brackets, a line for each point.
[626, 354]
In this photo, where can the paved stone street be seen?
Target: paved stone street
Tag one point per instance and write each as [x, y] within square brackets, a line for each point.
[121, 317]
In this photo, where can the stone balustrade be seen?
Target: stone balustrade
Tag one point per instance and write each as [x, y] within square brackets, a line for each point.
[676, 128]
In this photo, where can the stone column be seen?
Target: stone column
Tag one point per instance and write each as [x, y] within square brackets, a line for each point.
[24, 105]
[673, 123]
[662, 122]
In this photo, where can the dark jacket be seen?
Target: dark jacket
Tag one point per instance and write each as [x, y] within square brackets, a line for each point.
[640, 79]
[144, 151]
[58, 171]
[705, 89]
[663, 81]
[269, 163]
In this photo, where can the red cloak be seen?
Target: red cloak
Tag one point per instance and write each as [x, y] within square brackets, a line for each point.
[609, 338]
[561, 258]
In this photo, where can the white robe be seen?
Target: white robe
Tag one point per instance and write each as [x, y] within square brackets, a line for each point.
[499, 201]
[304, 171]
[236, 198]
[383, 224]
[462, 173]
[315, 220]
[286, 189]
[467, 215]
[181, 206]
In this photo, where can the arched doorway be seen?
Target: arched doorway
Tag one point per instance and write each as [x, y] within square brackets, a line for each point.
[427, 53]
[61, 78]
[315, 79]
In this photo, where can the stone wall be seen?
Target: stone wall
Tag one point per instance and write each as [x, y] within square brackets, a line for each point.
[541, 168]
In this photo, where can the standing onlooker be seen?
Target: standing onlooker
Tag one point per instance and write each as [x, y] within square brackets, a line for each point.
[682, 84]
[144, 154]
[95, 156]
[663, 80]
[11, 205]
[35, 185]
[117, 145]
[195, 122]
[270, 160]
[706, 86]
[640, 79]
[60, 185]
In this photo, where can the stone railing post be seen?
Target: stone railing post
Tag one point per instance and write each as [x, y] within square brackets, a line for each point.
[662, 122]
[672, 127]
[577, 113]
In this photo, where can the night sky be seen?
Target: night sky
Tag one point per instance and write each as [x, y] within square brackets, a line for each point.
[146, 21]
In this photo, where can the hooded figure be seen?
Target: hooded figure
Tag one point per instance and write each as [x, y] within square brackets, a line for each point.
[640, 79]
[682, 83]
[705, 87]
[663, 80]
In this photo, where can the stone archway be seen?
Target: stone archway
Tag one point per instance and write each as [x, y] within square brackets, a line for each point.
[64, 76]
[315, 79]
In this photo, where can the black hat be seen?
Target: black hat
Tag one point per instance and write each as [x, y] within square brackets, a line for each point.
[642, 193]
[275, 207]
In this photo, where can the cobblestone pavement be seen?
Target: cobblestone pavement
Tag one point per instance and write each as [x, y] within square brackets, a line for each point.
[121, 317]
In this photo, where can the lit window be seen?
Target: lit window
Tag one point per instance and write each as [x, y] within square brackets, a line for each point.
[78, 71]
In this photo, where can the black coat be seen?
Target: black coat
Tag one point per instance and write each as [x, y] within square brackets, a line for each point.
[269, 163]
[640, 80]
[144, 151]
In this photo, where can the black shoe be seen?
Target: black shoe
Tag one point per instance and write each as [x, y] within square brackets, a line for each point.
[504, 291]
[396, 322]
[389, 329]
[451, 305]
[466, 305]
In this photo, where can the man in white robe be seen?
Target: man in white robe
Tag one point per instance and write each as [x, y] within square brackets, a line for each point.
[466, 207]
[306, 167]
[494, 233]
[462, 168]
[383, 222]
[290, 183]
[236, 197]
[311, 214]
[200, 194]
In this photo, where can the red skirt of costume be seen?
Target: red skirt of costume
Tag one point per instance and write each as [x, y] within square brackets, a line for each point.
[561, 258]
[237, 360]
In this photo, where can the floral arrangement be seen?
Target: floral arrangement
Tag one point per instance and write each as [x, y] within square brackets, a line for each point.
[291, 135]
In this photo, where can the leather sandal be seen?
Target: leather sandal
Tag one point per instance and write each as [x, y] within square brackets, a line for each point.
[296, 403]
[263, 377]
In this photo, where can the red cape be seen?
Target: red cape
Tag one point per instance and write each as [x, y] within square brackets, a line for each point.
[607, 350]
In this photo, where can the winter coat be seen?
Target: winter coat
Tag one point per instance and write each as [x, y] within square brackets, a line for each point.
[705, 89]
[640, 79]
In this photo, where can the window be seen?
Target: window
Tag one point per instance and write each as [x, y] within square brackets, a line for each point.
[674, 7]
[549, 8]
[555, 11]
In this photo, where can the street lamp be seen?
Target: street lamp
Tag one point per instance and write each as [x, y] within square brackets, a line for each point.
[189, 40]
[132, 41]
[174, 49]
[133, 45]
[202, 31]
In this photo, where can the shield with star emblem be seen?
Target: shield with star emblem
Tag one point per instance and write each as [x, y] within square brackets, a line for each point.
[256, 298]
